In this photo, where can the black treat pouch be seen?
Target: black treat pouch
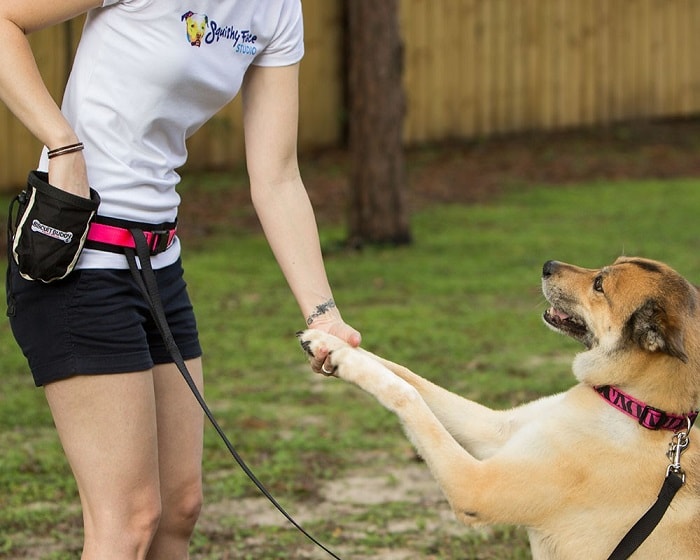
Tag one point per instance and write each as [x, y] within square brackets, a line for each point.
[48, 233]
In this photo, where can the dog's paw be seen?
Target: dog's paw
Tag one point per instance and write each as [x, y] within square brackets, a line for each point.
[315, 342]
[352, 365]
[319, 345]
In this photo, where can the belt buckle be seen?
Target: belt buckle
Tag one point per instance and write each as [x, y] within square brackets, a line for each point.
[159, 241]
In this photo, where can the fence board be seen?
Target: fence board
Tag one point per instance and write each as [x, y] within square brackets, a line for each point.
[471, 68]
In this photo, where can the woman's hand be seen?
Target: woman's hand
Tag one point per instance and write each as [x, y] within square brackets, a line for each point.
[69, 173]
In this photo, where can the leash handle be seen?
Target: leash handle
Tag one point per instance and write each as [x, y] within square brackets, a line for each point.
[146, 281]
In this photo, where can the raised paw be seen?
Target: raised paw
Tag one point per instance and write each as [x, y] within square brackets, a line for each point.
[332, 356]
[318, 345]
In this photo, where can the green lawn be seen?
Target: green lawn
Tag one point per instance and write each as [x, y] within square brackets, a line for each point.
[462, 306]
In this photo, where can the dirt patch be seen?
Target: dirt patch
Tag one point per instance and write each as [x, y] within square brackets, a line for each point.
[353, 492]
[345, 500]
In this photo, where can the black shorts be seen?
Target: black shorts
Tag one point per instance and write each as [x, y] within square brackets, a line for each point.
[97, 322]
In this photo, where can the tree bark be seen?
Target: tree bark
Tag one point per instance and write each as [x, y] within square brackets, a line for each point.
[376, 101]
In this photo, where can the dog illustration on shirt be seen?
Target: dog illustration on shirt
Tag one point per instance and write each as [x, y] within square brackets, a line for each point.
[196, 27]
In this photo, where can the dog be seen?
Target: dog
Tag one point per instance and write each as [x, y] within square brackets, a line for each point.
[196, 27]
[578, 469]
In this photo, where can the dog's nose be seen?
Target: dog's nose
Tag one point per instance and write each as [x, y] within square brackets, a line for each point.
[549, 268]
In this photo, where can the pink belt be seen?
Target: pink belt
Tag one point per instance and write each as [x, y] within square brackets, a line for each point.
[108, 237]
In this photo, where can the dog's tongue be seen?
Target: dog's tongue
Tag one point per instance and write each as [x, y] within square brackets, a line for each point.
[560, 315]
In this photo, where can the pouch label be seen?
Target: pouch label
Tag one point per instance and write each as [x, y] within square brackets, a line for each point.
[48, 231]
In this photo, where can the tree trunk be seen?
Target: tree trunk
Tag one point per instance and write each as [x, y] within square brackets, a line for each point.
[378, 213]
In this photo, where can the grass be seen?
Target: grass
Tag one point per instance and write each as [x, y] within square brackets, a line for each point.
[462, 306]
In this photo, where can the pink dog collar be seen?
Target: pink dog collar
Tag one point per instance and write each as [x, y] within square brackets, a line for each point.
[647, 416]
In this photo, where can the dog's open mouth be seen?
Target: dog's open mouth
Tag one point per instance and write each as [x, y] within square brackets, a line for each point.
[568, 324]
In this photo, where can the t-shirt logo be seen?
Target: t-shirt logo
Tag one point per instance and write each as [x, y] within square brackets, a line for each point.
[196, 27]
[200, 29]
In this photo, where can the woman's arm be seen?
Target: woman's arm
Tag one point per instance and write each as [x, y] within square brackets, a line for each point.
[270, 116]
[22, 88]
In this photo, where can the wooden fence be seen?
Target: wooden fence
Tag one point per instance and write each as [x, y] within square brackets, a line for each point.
[473, 68]
[480, 67]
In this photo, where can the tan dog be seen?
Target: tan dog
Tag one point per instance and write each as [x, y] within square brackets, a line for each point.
[573, 468]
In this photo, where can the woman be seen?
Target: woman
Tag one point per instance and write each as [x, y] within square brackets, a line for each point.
[147, 75]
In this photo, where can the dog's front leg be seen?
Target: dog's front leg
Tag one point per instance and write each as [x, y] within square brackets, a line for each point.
[473, 488]
[447, 460]
[479, 429]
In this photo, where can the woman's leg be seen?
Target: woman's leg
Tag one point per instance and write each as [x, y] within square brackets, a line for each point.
[180, 427]
[107, 425]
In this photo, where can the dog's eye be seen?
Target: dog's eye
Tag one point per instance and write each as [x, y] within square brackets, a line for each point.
[598, 284]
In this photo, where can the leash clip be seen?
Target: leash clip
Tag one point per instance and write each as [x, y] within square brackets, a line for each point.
[679, 443]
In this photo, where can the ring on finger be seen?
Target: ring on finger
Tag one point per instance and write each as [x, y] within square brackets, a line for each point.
[324, 370]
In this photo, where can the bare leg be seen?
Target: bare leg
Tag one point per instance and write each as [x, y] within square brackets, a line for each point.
[107, 425]
[180, 427]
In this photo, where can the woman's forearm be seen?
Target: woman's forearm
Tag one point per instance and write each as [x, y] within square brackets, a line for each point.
[24, 92]
[288, 221]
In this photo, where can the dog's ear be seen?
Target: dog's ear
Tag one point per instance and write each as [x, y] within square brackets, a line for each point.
[652, 330]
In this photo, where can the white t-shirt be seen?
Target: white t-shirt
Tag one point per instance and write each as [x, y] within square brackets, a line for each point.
[147, 75]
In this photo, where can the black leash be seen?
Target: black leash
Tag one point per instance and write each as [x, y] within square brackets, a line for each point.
[648, 522]
[146, 280]
[675, 479]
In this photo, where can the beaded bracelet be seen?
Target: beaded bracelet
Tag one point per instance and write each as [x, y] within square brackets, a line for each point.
[66, 150]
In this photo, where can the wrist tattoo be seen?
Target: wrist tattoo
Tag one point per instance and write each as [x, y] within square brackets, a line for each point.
[321, 309]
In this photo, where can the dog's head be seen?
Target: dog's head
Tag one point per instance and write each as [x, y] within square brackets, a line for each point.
[196, 27]
[635, 306]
